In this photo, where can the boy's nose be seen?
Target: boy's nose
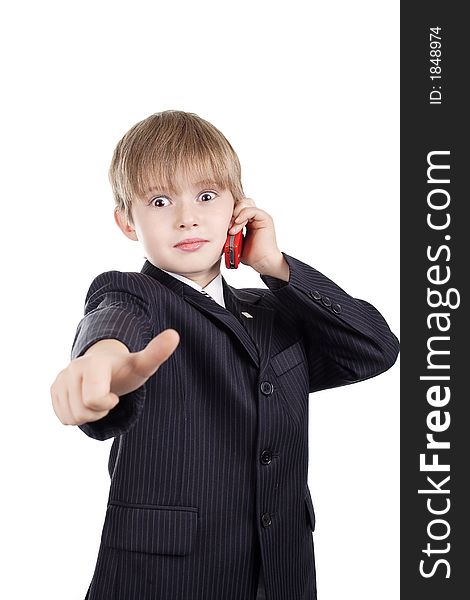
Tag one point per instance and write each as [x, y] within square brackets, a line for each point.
[186, 223]
[186, 218]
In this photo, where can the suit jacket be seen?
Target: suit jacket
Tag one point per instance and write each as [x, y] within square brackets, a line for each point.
[209, 461]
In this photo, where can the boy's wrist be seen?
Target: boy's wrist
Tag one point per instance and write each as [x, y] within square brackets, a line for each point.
[276, 266]
[107, 345]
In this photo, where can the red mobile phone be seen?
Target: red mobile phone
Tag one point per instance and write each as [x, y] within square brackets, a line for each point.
[233, 249]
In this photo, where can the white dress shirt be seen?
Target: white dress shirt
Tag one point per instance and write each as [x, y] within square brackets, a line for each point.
[214, 288]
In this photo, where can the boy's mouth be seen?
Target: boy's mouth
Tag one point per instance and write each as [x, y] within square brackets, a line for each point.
[190, 244]
[191, 241]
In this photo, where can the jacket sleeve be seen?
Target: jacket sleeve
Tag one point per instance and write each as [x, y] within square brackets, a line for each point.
[346, 340]
[115, 308]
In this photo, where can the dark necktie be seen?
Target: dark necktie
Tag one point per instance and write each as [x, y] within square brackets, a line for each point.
[208, 295]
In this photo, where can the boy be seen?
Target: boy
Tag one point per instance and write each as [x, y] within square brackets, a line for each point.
[207, 396]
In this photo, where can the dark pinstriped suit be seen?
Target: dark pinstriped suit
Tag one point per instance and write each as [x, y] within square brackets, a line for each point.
[209, 462]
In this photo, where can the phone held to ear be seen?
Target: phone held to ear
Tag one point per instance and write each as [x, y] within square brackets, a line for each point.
[233, 250]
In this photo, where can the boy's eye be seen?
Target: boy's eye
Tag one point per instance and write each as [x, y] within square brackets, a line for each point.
[206, 194]
[158, 199]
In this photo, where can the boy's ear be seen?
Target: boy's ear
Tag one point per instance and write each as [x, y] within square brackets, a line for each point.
[127, 229]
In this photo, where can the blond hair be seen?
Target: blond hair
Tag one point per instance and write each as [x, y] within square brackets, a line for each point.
[155, 149]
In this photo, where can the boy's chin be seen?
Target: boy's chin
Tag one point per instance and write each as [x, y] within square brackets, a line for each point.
[193, 264]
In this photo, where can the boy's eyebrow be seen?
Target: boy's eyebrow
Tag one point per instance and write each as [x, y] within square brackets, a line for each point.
[162, 188]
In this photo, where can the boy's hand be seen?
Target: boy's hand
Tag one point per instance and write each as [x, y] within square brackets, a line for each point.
[260, 249]
[90, 386]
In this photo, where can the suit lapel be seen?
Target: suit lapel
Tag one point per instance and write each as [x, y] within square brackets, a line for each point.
[253, 331]
[255, 318]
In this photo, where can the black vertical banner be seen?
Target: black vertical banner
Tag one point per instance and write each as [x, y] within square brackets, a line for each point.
[435, 267]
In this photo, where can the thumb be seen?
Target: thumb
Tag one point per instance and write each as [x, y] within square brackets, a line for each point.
[157, 351]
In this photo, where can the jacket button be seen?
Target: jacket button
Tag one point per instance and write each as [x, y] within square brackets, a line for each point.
[336, 308]
[315, 294]
[266, 519]
[326, 301]
[266, 457]
[267, 387]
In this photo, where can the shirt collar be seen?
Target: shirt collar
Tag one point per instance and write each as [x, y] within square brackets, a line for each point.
[214, 288]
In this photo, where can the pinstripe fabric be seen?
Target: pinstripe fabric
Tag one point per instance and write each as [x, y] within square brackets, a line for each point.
[209, 461]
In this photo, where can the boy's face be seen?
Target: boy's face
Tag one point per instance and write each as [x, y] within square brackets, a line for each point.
[163, 219]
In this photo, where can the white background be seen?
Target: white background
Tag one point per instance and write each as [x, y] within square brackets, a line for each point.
[308, 95]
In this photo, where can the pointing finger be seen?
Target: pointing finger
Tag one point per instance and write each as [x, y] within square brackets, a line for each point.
[147, 361]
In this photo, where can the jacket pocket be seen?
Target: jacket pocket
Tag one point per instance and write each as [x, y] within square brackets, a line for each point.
[310, 511]
[288, 358]
[150, 528]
